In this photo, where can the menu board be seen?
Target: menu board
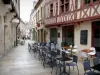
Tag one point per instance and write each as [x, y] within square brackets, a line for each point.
[83, 37]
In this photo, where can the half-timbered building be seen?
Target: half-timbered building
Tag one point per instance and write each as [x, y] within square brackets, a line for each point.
[72, 21]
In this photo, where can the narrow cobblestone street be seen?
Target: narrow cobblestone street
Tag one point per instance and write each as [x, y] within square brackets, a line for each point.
[20, 62]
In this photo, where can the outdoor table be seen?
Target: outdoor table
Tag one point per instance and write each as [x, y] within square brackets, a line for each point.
[96, 67]
[68, 47]
[63, 59]
[87, 51]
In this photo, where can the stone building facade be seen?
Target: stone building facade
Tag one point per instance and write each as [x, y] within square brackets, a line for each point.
[22, 27]
[9, 14]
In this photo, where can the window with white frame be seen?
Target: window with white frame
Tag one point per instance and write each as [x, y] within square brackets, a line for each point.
[51, 9]
[64, 5]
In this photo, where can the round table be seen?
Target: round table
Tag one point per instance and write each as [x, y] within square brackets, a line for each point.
[68, 47]
[87, 51]
[64, 65]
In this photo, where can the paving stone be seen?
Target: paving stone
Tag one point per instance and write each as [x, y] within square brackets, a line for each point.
[20, 62]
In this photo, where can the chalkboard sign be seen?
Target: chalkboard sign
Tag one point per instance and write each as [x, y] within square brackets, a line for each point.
[83, 37]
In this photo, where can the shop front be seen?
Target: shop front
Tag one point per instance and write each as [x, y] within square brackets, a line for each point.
[68, 35]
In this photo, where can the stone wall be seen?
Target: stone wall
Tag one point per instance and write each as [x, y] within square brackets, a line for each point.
[7, 30]
[1, 37]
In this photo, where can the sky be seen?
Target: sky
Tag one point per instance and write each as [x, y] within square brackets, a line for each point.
[25, 9]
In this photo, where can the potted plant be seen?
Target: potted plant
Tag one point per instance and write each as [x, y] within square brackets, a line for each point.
[62, 44]
[71, 43]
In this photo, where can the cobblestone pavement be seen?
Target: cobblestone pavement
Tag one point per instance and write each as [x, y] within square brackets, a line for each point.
[19, 61]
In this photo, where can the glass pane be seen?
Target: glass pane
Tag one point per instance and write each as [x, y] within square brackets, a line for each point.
[87, 1]
[62, 1]
[95, 0]
[62, 8]
[51, 6]
[66, 0]
[67, 6]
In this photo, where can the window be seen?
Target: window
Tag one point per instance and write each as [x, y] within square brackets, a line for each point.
[76, 4]
[89, 1]
[51, 10]
[64, 5]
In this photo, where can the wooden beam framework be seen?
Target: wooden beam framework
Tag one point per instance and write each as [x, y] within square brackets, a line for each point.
[78, 15]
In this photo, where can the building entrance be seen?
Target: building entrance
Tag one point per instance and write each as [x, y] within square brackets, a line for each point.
[53, 35]
[96, 35]
[68, 35]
